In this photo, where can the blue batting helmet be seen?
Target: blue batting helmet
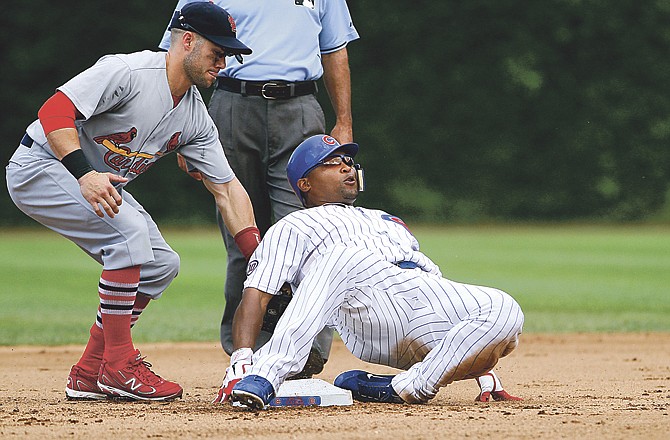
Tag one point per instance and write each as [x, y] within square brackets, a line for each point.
[309, 154]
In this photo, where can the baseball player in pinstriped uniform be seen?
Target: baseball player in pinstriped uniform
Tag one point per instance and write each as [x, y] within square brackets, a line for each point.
[98, 132]
[266, 106]
[360, 271]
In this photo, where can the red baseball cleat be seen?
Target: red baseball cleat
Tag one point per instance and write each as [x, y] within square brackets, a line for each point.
[136, 381]
[83, 386]
[492, 389]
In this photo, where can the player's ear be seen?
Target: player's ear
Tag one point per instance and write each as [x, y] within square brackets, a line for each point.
[188, 40]
[303, 185]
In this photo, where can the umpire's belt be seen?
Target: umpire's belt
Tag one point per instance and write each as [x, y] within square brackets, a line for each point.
[269, 89]
[26, 141]
[406, 264]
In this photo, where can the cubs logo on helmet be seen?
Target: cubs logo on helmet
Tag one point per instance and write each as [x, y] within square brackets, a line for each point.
[329, 140]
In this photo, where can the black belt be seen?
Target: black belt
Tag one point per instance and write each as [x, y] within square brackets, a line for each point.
[406, 264]
[26, 141]
[269, 89]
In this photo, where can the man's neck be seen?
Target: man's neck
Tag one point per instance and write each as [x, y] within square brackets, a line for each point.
[330, 203]
[176, 79]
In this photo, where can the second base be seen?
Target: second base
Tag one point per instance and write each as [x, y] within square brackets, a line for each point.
[310, 392]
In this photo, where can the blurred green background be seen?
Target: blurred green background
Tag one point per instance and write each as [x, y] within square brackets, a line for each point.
[467, 112]
[568, 278]
[532, 136]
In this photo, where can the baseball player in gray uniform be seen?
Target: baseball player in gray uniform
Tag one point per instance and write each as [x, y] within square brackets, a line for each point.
[102, 129]
[360, 272]
[267, 105]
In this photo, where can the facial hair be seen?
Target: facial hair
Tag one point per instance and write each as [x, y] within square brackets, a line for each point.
[193, 70]
[349, 195]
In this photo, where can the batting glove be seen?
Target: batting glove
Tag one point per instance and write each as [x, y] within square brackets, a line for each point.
[492, 389]
[240, 363]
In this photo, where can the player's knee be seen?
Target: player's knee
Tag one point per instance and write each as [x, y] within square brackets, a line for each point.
[509, 327]
[510, 318]
[170, 264]
[516, 326]
[158, 274]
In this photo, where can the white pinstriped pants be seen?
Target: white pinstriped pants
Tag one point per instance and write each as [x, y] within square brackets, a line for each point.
[438, 330]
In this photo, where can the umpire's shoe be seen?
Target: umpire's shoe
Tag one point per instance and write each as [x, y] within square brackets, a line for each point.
[253, 391]
[368, 387]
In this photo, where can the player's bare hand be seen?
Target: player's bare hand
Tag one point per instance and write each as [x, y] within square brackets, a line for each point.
[184, 167]
[98, 190]
[240, 363]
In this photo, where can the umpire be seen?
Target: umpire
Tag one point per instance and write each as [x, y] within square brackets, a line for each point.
[264, 107]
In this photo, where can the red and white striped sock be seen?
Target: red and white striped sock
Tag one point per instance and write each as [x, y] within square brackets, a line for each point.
[141, 302]
[118, 289]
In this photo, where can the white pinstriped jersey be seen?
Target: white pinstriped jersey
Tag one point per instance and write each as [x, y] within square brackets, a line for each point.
[341, 258]
[291, 246]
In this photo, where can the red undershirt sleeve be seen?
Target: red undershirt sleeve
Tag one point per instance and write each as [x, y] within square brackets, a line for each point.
[57, 112]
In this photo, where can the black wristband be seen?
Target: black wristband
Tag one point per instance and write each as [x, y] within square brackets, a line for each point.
[76, 163]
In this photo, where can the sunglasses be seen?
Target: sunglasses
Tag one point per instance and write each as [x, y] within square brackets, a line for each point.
[337, 159]
[333, 159]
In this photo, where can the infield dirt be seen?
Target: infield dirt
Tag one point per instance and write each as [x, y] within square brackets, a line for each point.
[613, 386]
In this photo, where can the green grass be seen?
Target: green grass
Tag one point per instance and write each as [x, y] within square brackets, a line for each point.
[49, 290]
[566, 278]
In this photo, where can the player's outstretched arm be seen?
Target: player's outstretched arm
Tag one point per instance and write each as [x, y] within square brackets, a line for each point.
[233, 203]
[238, 214]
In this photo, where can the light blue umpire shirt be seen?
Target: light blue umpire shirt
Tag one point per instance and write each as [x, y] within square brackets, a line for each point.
[287, 37]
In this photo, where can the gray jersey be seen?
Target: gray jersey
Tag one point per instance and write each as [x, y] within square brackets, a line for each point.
[130, 120]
